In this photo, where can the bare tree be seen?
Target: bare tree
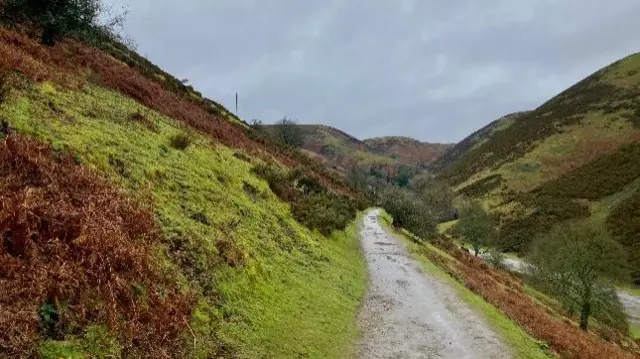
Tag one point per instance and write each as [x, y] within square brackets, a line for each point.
[577, 262]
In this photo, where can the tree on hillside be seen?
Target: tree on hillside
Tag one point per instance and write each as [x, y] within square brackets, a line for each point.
[289, 132]
[256, 124]
[476, 226]
[576, 263]
[436, 193]
[60, 18]
[404, 174]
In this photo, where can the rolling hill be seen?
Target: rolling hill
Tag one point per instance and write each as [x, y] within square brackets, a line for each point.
[340, 150]
[344, 152]
[471, 142]
[407, 150]
[577, 156]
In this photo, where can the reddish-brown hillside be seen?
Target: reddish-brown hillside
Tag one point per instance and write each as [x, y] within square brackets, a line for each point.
[408, 150]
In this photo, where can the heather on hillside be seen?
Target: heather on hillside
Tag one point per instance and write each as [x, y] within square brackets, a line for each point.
[624, 223]
[540, 214]
[559, 200]
[608, 93]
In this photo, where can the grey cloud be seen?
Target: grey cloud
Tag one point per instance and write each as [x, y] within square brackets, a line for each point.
[434, 70]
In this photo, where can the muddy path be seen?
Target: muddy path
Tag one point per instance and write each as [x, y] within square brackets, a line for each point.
[408, 313]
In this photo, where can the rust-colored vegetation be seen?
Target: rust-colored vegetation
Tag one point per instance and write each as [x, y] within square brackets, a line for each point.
[544, 323]
[71, 63]
[74, 248]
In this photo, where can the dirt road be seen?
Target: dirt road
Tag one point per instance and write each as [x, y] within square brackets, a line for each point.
[408, 313]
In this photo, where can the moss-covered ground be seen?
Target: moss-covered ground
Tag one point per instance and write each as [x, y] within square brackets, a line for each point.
[266, 286]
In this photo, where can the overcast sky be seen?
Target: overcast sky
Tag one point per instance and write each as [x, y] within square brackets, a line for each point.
[435, 70]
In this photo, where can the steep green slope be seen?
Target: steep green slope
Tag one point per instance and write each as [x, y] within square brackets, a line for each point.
[263, 284]
[603, 106]
[474, 140]
[573, 157]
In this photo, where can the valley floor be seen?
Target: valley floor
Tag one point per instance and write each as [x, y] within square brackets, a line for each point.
[408, 313]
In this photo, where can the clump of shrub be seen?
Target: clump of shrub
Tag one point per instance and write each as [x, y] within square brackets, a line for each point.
[231, 253]
[180, 141]
[196, 259]
[437, 195]
[5, 130]
[409, 211]
[311, 204]
[325, 212]
[278, 180]
[289, 132]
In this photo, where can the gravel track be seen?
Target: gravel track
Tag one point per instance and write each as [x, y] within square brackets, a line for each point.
[408, 313]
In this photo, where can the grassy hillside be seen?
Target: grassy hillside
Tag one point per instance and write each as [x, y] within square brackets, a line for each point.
[601, 108]
[576, 156]
[148, 205]
[473, 141]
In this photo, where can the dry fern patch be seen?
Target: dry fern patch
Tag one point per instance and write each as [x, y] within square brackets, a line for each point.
[76, 254]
